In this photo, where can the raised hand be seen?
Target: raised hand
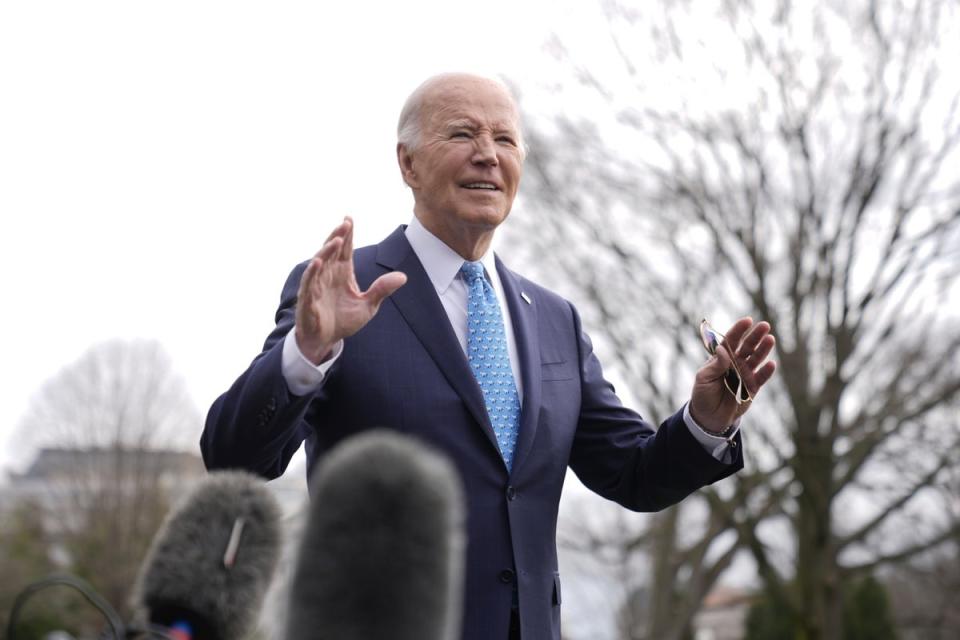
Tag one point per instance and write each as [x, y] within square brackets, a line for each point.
[712, 405]
[330, 305]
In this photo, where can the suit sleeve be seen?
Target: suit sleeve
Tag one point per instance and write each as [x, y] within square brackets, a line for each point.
[621, 456]
[258, 425]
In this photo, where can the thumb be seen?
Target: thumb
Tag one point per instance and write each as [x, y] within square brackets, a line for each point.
[718, 365]
[384, 286]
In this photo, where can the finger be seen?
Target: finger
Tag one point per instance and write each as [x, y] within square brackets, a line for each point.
[314, 269]
[308, 292]
[756, 379]
[346, 251]
[384, 286]
[327, 253]
[336, 234]
[752, 339]
[761, 352]
[716, 367]
[763, 375]
[735, 334]
[338, 231]
[308, 275]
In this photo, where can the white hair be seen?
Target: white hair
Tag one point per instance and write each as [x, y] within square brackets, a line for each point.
[410, 125]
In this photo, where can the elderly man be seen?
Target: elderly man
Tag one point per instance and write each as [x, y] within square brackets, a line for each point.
[429, 333]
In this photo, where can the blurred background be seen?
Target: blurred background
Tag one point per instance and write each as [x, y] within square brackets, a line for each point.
[796, 161]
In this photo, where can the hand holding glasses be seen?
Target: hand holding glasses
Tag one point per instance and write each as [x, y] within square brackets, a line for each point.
[742, 361]
[732, 380]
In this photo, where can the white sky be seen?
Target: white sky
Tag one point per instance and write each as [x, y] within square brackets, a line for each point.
[164, 165]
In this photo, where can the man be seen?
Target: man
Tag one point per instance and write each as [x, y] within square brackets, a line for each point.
[429, 333]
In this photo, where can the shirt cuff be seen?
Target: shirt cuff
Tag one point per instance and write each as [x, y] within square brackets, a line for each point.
[303, 376]
[720, 446]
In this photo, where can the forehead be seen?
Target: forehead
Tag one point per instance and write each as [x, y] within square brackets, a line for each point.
[480, 102]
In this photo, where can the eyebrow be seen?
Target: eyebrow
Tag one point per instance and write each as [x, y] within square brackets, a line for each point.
[462, 123]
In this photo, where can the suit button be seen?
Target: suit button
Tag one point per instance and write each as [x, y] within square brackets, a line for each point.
[506, 576]
[511, 493]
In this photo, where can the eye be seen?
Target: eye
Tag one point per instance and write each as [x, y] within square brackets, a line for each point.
[461, 134]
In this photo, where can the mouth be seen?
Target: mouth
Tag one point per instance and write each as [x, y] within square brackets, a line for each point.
[480, 186]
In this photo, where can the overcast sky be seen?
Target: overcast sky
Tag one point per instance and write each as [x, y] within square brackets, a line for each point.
[164, 165]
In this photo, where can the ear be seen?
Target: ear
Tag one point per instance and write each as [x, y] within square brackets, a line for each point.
[405, 160]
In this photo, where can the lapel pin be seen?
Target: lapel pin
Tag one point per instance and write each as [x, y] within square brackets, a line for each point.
[526, 298]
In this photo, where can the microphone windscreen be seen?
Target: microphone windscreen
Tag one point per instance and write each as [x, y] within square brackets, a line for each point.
[383, 549]
[210, 564]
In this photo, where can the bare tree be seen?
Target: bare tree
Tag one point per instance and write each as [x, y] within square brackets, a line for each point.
[795, 161]
[111, 433]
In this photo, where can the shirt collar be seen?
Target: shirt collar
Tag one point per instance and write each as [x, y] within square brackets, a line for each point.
[441, 263]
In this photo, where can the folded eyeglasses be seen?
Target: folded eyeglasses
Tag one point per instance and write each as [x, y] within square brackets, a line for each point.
[732, 380]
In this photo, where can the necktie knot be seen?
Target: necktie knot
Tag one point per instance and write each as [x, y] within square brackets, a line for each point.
[472, 271]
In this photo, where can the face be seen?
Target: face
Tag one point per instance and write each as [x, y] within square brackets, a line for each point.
[466, 169]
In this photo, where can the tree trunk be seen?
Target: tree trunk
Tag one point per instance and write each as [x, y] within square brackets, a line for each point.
[661, 595]
[819, 597]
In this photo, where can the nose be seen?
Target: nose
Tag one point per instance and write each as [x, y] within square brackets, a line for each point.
[485, 151]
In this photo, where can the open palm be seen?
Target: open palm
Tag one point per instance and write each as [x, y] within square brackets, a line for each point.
[330, 305]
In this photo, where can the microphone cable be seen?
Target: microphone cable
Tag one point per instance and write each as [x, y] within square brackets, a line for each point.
[118, 629]
[95, 599]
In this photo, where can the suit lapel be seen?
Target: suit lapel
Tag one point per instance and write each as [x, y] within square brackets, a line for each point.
[523, 313]
[418, 303]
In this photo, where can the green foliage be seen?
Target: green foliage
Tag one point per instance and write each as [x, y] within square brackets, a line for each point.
[866, 616]
[768, 620]
[866, 612]
[25, 558]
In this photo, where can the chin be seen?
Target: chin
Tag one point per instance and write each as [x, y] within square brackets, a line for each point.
[486, 222]
[485, 216]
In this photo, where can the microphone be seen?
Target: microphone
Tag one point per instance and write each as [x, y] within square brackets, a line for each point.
[210, 564]
[383, 549]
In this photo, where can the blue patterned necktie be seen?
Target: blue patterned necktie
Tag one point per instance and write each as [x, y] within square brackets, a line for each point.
[490, 360]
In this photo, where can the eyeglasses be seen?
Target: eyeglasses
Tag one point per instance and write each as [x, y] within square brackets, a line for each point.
[732, 380]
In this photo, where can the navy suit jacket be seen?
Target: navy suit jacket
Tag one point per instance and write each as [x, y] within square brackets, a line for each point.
[406, 370]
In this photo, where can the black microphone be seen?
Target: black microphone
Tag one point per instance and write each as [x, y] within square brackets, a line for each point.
[383, 550]
[210, 564]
